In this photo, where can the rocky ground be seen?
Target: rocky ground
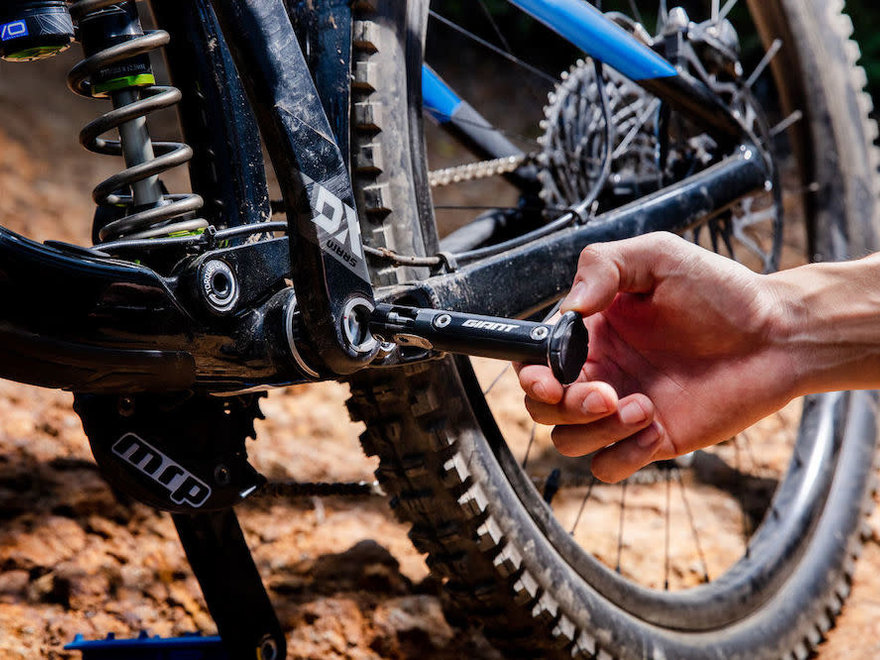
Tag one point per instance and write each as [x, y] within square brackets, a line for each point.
[74, 559]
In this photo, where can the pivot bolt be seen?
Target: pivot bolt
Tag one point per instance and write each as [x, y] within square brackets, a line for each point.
[268, 649]
[442, 321]
[222, 475]
[218, 285]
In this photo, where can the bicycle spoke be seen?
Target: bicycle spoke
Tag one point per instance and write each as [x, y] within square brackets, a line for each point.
[663, 12]
[764, 63]
[620, 523]
[744, 520]
[789, 121]
[726, 9]
[641, 121]
[693, 525]
[497, 379]
[498, 32]
[529, 447]
[667, 560]
[492, 47]
[636, 13]
[479, 207]
[553, 310]
[580, 512]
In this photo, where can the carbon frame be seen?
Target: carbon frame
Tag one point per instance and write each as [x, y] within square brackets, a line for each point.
[79, 320]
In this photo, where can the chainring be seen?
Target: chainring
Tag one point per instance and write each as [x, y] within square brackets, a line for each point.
[183, 453]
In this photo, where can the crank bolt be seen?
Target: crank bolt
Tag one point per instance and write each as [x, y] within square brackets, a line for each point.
[356, 326]
[218, 286]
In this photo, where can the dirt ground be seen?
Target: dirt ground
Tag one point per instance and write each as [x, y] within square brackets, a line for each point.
[345, 579]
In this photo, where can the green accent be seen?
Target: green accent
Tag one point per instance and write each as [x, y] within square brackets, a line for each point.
[114, 85]
[36, 53]
[179, 234]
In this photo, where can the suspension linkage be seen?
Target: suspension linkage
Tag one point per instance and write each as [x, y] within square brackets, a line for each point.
[562, 346]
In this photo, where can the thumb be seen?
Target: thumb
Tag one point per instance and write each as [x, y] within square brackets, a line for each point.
[632, 265]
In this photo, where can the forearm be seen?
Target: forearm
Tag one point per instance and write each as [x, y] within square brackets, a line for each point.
[829, 324]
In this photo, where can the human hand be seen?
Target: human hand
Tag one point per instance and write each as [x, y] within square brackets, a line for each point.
[683, 354]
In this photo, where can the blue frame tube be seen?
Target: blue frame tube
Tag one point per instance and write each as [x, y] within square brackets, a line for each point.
[437, 98]
[587, 28]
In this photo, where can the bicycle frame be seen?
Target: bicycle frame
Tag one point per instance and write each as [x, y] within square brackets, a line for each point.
[115, 326]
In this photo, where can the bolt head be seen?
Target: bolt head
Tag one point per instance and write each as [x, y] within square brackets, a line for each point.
[218, 285]
[442, 321]
[540, 333]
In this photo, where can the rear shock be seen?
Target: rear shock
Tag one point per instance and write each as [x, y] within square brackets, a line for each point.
[117, 66]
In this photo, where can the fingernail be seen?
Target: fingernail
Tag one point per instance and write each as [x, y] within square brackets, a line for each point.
[577, 297]
[632, 413]
[595, 404]
[649, 436]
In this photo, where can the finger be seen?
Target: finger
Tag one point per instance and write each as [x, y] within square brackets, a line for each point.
[581, 403]
[627, 456]
[634, 413]
[538, 383]
[628, 266]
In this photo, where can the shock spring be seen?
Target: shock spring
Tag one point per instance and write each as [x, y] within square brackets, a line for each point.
[148, 211]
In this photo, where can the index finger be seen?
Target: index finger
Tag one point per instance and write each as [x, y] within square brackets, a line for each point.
[631, 265]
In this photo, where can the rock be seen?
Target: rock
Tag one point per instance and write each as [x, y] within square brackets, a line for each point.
[415, 622]
[330, 628]
[366, 565]
[13, 585]
[50, 588]
[53, 540]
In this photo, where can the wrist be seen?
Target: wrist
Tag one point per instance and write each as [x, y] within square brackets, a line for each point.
[827, 324]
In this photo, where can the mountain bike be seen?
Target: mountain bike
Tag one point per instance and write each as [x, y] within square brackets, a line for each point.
[742, 126]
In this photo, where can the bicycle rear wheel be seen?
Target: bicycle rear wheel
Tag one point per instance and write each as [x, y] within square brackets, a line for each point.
[489, 506]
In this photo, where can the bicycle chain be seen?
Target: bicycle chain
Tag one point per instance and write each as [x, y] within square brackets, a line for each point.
[291, 489]
[479, 170]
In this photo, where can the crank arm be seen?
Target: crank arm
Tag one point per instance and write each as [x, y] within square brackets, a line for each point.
[562, 346]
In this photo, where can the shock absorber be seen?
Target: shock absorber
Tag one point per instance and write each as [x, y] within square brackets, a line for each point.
[117, 66]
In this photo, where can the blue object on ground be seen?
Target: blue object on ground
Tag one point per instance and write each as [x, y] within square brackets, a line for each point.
[189, 647]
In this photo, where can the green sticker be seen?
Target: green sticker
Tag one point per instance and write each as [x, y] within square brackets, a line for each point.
[140, 80]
